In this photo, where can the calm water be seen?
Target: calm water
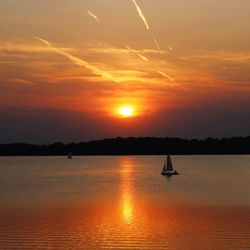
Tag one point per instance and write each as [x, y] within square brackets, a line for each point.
[124, 203]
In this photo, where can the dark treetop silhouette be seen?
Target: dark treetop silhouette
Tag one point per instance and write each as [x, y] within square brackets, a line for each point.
[134, 146]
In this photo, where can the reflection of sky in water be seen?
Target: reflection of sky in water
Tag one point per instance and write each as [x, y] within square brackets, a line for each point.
[124, 203]
[203, 180]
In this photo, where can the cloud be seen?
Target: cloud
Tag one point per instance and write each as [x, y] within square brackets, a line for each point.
[199, 69]
[21, 47]
[80, 62]
[230, 56]
[108, 49]
[20, 81]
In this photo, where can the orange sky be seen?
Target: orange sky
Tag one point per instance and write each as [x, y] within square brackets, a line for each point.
[91, 57]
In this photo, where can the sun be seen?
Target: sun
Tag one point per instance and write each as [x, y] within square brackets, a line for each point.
[126, 111]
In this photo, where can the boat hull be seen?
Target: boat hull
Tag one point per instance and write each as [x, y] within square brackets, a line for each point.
[169, 173]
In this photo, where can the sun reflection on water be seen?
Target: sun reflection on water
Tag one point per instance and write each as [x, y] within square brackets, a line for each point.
[127, 208]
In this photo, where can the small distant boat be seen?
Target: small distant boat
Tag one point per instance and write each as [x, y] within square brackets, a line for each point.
[168, 168]
[69, 155]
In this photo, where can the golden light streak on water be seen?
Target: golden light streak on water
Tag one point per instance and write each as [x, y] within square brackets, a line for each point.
[127, 191]
[127, 209]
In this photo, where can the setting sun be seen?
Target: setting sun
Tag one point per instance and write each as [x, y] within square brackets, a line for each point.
[126, 111]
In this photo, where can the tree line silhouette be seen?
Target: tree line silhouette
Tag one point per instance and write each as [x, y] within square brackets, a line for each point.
[133, 146]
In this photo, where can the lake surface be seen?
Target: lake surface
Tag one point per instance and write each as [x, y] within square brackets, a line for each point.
[124, 203]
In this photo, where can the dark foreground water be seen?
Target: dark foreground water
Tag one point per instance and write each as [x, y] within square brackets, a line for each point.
[124, 203]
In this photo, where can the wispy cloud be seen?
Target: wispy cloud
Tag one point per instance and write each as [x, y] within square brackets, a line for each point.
[80, 62]
[19, 47]
[20, 81]
[117, 51]
[229, 56]
[141, 15]
[36, 63]
[93, 15]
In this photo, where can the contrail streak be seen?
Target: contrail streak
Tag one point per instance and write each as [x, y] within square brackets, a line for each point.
[93, 15]
[79, 62]
[166, 76]
[171, 49]
[138, 54]
[157, 45]
[139, 10]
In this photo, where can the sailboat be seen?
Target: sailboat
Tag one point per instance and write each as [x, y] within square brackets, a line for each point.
[168, 168]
